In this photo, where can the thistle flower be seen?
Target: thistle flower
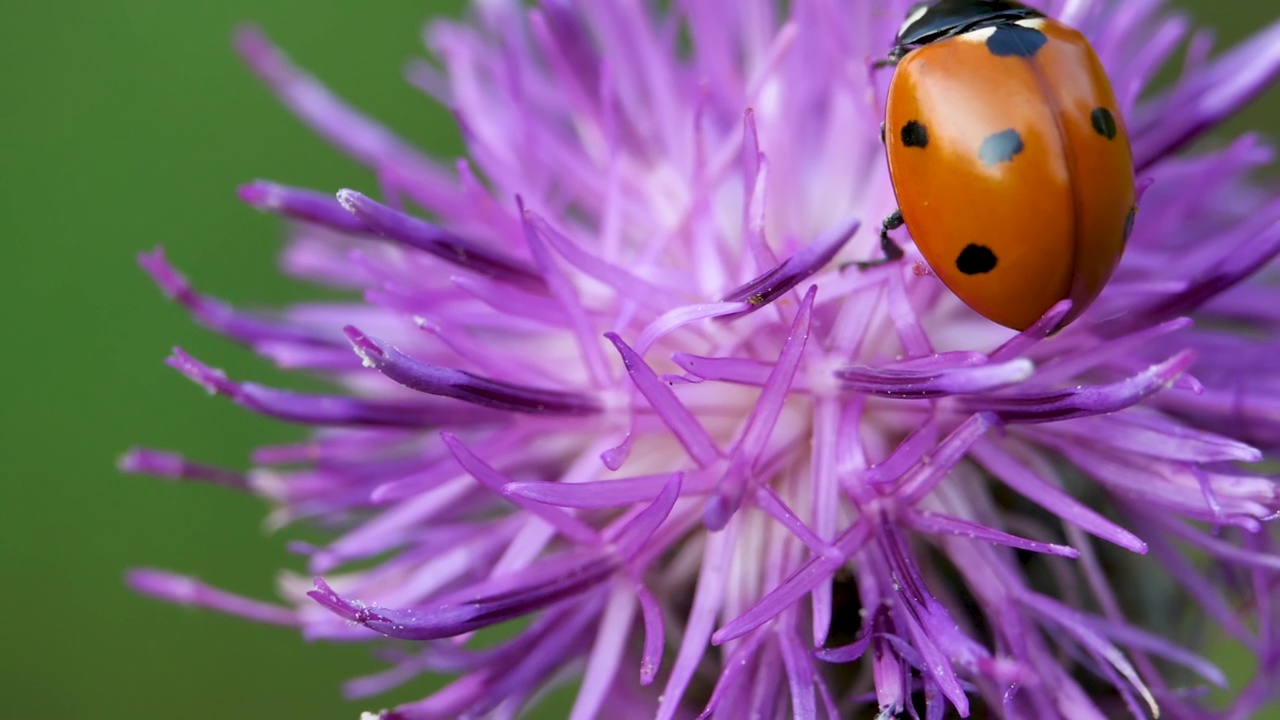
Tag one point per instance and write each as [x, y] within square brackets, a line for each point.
[625, 386]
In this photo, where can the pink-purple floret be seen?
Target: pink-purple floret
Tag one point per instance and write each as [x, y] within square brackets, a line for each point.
[627, 386]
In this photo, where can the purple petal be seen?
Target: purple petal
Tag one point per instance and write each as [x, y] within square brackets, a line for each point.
[462, 385]
[654, 636]
[794, 587]
[673, 413]
[905, 383]
[769, 501]
[1200, 588]
[567, 296]
[1139, 639]
[383, 682]
[728, 686]
[300, 204]
[606, 654]
[143, 461]
[1157, 436]
[1039, 330]
[913, 449]
[1022, 480]
[1241, 500]
[846, 653]
[707, 601]
[935, 635]
[510, 302]
[1221, 550]
[600, 494]
[1074, 625]
[1213, 95]
[1038, 407]
[421, 481]
[1256, 245]
[630, 539]
[625, 283]
[536, 587]
[392, 529]
[183, 590]
[535, 669]
[348, 129]
[939, 524]
[323, 409]
[542, 584]
[779, 280]
[1071, 365]
[763, 418]
[800, 677]
[220, 317]
[567, 524]
[931, 469]
[681, 317]
[431, 239]
[742, 371]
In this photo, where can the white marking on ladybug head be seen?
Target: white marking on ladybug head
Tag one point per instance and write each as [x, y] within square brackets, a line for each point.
[918, 11]
[1033, 23]
[977, 36]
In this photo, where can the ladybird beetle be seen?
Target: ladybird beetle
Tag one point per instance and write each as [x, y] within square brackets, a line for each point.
[1008, 156]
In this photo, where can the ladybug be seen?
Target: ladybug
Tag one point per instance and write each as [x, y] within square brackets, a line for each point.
[1008, 156]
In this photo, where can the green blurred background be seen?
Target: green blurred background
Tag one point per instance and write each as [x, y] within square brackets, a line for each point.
[124, 125]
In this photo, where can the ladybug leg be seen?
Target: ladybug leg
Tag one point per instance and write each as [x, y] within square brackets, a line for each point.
[891, 60]
[887, 245]
[892, 251]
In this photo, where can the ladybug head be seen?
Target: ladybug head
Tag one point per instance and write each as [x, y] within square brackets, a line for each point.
[931, 21]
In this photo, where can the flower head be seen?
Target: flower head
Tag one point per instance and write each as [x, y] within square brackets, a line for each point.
[625, 385]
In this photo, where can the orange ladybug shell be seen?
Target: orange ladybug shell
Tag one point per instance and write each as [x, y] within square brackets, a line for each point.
[1012, 167]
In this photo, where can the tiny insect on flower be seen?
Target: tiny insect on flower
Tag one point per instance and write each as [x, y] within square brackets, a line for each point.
[619, 374]
[1007, 129]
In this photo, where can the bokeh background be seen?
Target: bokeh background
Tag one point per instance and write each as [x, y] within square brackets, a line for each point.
[128, 124]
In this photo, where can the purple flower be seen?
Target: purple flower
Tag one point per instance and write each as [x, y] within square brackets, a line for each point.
[625, 385]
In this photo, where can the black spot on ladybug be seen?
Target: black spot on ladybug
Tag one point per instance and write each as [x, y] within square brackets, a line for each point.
[1015, 41]
[1128, 223]
[1103, 122]
[976, 260]
[914, 134]
[1000, 147]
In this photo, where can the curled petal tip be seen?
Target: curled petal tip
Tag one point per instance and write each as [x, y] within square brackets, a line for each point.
[166, 277]
[301, 204]
[249, 39]
[146, 257]
[349, 610]
[461, 385]
[414, 232]
[716, 513]
[259, 193]
[350, 199]
[129, 462]
[911, 383]
[211, 379]
[370, 352]
[160, 584]
[157, 463]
